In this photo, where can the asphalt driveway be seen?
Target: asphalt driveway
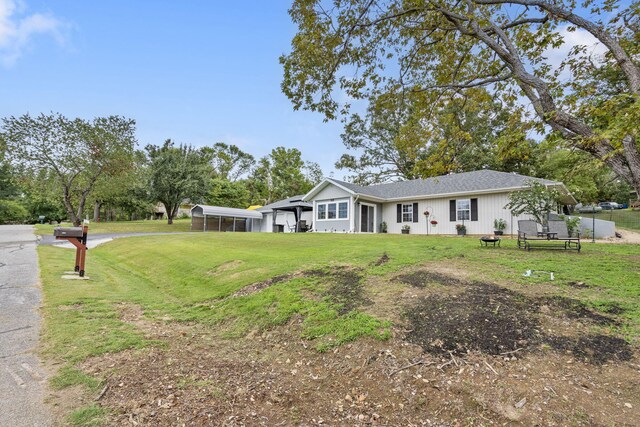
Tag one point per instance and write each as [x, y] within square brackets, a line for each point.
[22, 379]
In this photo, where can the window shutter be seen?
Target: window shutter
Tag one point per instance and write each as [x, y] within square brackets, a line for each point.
[415, 212]
[452, 210]
[474, 209]
[399, 210]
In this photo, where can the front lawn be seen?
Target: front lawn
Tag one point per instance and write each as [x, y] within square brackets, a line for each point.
[326, 289]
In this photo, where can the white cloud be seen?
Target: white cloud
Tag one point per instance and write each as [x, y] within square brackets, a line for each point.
[579, 37]
[17, 30]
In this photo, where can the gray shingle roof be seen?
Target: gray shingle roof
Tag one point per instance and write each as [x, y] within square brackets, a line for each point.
[465, 182]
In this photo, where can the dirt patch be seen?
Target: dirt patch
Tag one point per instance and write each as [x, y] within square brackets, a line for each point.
[257, 287]
[345, 287]
[575, 309]
[421, 278]
[484, 318]
[578, 285]
[493, 320]
[596, 349]
[274, 378]
[382, 260]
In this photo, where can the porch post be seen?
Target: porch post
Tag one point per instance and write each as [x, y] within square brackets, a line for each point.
[297, 214]
[353, 213]
[204, 226]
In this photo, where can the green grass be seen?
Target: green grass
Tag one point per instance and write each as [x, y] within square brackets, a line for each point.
[89, 416]
[186, 277]
[69, 376]
[146, 226]
[624, 218]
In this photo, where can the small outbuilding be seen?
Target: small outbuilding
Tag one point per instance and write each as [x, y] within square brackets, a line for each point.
[218, 218]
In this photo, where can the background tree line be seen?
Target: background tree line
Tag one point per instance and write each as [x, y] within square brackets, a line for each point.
[64, 168]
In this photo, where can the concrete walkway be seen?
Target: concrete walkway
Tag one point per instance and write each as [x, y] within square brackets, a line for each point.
[22, 379]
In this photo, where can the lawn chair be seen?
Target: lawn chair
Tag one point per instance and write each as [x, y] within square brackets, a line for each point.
[561, 232]
[292, 228]
[528, 231]
[302, 225]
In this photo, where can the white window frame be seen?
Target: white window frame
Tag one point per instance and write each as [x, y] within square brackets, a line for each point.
[346, 217]
[409, 212]
[318, 212]
[459, 210]
[337, 210]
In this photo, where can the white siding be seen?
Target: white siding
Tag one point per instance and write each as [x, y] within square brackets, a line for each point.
[331, 192]
[490, 207]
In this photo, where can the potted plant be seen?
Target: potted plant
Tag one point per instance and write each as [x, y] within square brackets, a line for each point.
[461, 229]
[499, 225]
[383, 227]
[406, 228]
[434, 222]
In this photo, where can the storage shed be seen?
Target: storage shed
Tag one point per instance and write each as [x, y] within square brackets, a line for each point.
[218, 218]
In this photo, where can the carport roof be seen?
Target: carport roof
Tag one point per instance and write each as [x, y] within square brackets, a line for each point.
[228, 212]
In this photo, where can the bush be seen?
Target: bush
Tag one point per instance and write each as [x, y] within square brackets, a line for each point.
[12, 212]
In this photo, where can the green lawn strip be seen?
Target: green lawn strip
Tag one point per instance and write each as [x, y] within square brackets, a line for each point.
[88, 416]
[68, 376]
[145, 226]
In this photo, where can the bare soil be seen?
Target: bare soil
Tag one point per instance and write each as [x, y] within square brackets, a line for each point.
[462, 353]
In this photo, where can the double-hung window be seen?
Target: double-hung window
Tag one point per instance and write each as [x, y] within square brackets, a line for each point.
[463, 210]
[331, 211]
[407, 212]
[322, 211]
[343, 210]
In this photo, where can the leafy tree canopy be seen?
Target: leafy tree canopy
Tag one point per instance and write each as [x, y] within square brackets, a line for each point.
[229, 162]
[177, 174]
[77, 153]
[365, 48]
[282, 174]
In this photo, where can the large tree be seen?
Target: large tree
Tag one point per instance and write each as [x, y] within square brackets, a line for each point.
[282, 174]
[76, 152]
[229, 162]
[367, 47]
[177, 174]
[466, 132]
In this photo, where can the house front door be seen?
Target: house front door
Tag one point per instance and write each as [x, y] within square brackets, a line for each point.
[367, 218]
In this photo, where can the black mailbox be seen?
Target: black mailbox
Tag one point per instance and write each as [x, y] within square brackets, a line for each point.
[68, 232]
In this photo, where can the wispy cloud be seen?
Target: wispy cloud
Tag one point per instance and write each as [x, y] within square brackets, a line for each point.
[578, 37]
[18, 29]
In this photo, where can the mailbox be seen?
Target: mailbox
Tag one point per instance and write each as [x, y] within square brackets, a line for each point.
[77, 236]
[68, 232]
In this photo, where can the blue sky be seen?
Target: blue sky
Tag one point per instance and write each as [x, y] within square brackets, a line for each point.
[197, 72]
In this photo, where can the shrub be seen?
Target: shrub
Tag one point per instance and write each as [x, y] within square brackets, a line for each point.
[12, 212]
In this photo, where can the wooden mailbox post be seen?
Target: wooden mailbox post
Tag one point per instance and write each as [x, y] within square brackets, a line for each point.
[78, 238]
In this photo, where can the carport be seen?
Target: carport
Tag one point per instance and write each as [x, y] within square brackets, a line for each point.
[219, 218]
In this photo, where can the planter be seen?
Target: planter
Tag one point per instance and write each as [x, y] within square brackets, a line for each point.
[498, 232]
[405, 231]
[462, 232]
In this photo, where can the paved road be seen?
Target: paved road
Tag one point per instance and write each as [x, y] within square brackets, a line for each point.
[22, 379]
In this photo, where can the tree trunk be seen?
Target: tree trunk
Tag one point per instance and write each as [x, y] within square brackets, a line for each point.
[96, 211]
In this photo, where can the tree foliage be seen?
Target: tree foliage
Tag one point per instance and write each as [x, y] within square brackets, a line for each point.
[227, 193]
[364, 48]
[536, 200]
[465, 132]
[177, 174]
[77, 153]
[282, 174]
[229, 162]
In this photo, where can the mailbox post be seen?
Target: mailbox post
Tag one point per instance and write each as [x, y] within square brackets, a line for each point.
[77, 236]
